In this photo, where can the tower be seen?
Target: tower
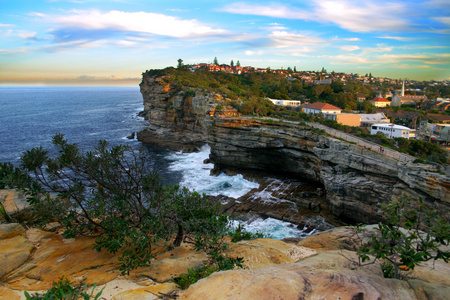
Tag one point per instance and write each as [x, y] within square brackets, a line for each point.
[403, 88]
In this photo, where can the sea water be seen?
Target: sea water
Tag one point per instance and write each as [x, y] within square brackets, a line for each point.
[32, 115]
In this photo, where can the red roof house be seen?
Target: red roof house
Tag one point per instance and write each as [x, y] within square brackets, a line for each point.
[319, 107]
[380, 102]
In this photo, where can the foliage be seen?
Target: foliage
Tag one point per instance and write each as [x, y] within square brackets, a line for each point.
[400, 240]
[65, 290]
[4, 213]
[215, 264]
[239, 234]
[111, 193]
[218, 261]
[193, 275]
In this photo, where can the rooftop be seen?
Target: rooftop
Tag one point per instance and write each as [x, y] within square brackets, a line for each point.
[322, 106]
[380, 100]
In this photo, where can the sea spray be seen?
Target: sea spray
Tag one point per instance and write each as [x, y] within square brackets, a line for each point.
[277, 229]
[196, 175]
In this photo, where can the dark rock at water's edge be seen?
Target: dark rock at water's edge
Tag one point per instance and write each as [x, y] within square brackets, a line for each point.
[356, 181]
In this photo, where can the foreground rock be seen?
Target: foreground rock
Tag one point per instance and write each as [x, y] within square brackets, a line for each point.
[329, 275]
[32, 259]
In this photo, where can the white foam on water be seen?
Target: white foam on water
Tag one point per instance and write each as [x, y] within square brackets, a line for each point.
[196, 175]
[273, 228]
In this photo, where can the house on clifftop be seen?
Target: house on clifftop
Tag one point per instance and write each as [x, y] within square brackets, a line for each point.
[319, 107]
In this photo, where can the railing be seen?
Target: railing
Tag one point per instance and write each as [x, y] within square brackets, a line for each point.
[350, 138]
[363, 143]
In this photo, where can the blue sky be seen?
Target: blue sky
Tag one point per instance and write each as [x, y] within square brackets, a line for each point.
[114, 41]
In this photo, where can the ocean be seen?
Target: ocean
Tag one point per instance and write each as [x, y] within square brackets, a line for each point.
[32, 115]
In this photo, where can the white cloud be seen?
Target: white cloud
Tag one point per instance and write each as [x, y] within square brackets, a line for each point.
[252, 53]
[347, 60]
[445, 20]
[7, 51]
[363, 16]
[430, 58]
[351, 39]
[356, 16]
[27, 34]
[397, 38]
[142, 22]
[282, 39]
[350, 48]
[271, 10]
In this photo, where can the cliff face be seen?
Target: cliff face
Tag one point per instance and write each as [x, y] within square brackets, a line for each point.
[178, 120]
[357, 181]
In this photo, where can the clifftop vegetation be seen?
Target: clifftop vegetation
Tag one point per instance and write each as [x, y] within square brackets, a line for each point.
[259, 85]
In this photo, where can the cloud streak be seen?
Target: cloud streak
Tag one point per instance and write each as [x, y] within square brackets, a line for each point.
[138, 22]
[355, 16]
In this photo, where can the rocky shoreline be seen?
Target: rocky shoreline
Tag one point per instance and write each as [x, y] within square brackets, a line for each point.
[356, 181]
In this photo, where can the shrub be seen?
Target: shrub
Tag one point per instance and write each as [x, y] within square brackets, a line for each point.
[112, 194]
[240, 234]
[400, 242]
[64, 290]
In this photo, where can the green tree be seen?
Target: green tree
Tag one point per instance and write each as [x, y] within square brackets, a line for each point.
[401, 242]
[180, 63]
[232, 63]
[216, 62]
[238, 63]
[111, 193]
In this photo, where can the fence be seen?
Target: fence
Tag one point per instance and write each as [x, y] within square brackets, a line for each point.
[363, 143]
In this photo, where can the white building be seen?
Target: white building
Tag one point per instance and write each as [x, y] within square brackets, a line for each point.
[392, 130]
[285, 102]
[367, 120]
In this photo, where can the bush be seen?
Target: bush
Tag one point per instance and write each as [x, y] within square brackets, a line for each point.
[400, 241]
[240, 234]
[64, 290]
[112, 194]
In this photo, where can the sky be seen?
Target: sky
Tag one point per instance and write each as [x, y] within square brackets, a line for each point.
[92, 42]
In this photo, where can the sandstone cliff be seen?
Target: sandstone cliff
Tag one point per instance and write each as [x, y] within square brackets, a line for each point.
[357, 181]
